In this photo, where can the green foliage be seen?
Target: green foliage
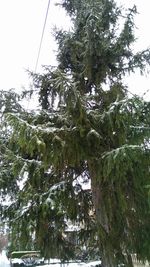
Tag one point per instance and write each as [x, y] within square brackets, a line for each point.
[98, 48]
[83, 134]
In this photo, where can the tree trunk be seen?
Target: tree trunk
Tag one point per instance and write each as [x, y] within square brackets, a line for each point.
[106, 250]
[103, 227]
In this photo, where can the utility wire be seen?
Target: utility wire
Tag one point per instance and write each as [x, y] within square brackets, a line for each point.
[145, 93]
[40, 46]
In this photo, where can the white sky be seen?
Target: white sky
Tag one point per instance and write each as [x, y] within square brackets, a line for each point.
[21, 24]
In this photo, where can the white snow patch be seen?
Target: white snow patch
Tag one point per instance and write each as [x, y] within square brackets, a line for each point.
[4, 262]
[56, 263]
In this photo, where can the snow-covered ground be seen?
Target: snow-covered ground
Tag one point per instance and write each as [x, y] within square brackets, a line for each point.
[81, 264]
[4, 262]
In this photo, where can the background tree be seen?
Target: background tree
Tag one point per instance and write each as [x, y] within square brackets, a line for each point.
[3, 241]
[87, 131]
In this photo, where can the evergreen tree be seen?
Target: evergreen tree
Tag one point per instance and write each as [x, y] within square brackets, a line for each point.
[9, 102]
[87, 131]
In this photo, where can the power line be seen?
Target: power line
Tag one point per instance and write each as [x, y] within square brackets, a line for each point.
[145, 93]
[40, 46]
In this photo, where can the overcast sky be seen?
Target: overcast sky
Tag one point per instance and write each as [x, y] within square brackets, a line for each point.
[21, 23]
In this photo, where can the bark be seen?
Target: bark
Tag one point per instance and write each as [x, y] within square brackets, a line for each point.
[106, 251]
[110, 253]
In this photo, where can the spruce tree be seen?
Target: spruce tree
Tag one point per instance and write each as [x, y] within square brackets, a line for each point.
[87, 130]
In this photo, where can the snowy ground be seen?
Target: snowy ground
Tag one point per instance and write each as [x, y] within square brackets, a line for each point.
[66, 265]
[91, 264]
[4, 262]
